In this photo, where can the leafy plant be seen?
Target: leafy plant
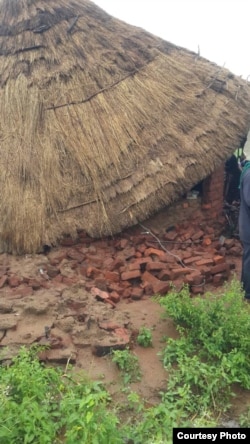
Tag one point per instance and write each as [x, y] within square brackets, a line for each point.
[128, 363]
[144, 337]
[244, 419]
[212, 352]
[43, 405]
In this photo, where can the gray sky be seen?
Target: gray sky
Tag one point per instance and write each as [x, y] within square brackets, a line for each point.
[220, 28]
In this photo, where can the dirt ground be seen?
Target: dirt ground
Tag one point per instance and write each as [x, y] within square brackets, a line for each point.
[79, 327]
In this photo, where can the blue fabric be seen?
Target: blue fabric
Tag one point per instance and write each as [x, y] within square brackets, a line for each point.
[244, 229]
[245, 275]
[244, 216]
[245, 168]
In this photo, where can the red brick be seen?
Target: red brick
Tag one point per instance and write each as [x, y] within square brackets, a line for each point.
[170, 235]
[160, 287]
[220, 268]
[191, 260]
[73, 254]
[210, 230]
[95, 260]
[205, 271]
[108, 263]
[136, 293]
[128, 253]
[93, 272]
[205, 262]
[133, 266]
[165, 275]
[188, 235]
[218, 259]
[125, 284]
[114, 296]
[194, 278]
[123, 334]
[117, 263]
[101, 283]
[198, 235]
[127, 293]
[148, 288]
[155, 266]
[127, 275]
[155, 252]
[112, 276]
[186, 254]
[206, 242]
[148, 277]
[99, 294]
[115, 287]
[177, 272]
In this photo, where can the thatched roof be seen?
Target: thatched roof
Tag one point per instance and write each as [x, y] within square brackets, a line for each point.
[101, 123]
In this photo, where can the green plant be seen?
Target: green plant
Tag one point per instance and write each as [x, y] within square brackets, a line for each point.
[144, 337]
[212, 352]
[244, 419]
[128, 363]
[43, 405]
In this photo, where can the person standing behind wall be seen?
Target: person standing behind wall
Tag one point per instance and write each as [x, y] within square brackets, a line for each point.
[244, 228]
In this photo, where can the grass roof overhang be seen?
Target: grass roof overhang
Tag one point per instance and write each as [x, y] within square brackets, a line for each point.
[101, 123]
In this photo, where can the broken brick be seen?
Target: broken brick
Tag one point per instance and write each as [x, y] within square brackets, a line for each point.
[205, 262]
[191, 260]
[114, 296]
[218, 259]
[155, 266]
[112, 276]
[165, 275]
[127, 275]
[220, 268]
[99, 294]
[198, 235]
[136, 293]
[177, 272]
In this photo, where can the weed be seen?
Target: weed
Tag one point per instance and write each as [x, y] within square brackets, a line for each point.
[128, 363]
[42, 405]
[244, 419]
[212, 352]
[144, 337]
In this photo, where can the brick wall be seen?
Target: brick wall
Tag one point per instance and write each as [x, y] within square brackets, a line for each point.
[213, 188]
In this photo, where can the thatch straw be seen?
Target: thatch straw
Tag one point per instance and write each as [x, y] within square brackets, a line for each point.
[102, 123]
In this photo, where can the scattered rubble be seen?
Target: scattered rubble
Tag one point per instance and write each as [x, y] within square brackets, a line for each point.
[66, 299]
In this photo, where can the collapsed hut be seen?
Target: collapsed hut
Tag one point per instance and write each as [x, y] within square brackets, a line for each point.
[102, 124]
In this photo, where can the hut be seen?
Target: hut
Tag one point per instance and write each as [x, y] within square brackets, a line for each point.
[102, 124]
